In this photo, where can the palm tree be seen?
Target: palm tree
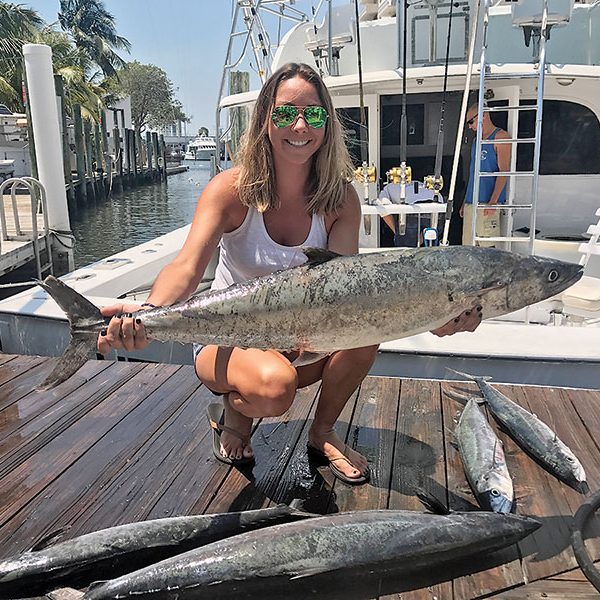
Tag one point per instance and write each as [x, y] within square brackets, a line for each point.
[18, 26]
[93, 31]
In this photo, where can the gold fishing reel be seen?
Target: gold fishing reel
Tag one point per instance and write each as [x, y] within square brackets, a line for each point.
[434, 183]
[371, 174]
[394, 175]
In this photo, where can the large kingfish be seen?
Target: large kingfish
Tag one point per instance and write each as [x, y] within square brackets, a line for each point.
[334, 302]
[326, 557]
[532, 434]
[483, 459]
[117, 550]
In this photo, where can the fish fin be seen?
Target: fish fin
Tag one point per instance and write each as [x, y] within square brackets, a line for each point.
[82, 314]
[463, 398]
[308, 358]
[309, 573]
[431, 503]
[297, 506]
[470, 377]
[50, 539]
[75, 356]
[316, 256]
[96, 584]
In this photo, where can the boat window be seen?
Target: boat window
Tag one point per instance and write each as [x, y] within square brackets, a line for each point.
[350, 120]
[570, 139]
[391, 114]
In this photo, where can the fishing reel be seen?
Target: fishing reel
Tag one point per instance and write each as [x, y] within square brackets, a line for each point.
[434, 183]
[395, 175]
[371, 174]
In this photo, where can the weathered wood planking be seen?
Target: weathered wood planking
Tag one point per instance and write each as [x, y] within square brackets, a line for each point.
[120, 442]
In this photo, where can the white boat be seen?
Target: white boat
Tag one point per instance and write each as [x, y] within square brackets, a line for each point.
[554, 343]
[202, 148]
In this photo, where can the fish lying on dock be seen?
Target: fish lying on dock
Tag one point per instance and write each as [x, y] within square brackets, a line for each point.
[323, 557]
[117, 550]
[334, 302]
[483, 459]
[531, 433]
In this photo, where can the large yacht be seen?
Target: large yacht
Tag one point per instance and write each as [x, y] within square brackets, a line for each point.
[202, 148]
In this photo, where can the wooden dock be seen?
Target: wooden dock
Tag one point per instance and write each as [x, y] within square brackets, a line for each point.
[121, 442]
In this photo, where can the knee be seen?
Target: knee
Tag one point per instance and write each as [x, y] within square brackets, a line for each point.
[277, 389]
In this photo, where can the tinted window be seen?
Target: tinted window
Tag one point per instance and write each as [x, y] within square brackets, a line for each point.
[570, 139]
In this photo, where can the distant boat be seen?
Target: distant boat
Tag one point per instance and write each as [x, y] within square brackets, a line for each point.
[202, 148]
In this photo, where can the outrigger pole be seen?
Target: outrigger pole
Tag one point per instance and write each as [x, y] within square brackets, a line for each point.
[461, 126]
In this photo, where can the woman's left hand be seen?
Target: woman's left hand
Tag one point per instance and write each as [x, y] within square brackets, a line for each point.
[468, 320]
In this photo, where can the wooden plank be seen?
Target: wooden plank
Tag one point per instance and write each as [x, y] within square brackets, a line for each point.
[4, 358]
[31, 477]
[29, 439]
[572, 575]
[551, 590]
[419, 463]
[372, 433]
[546, 551]
[491, 573]
[42, 405]
[19, 377]
[98, 447]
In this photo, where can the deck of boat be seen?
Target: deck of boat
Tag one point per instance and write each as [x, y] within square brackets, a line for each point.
[122, 442]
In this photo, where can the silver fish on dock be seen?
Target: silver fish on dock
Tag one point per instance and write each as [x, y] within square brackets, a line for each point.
[330, 557]
[483, 459]
[117, 550]
[334, 302]
[532, 434]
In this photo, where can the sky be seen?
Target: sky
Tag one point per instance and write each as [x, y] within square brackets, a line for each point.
[186, 38]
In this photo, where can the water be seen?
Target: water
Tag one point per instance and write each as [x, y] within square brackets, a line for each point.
[137, 216]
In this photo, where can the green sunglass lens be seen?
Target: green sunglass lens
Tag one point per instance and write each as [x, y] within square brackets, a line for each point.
[315, 116]
[284, 115]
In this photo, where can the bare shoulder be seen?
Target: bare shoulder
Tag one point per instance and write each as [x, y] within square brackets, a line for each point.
[221, 196]
[502, 135]
[350, 209]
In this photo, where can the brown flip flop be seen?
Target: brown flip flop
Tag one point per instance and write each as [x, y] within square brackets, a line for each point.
[322, 458]
[216, 419]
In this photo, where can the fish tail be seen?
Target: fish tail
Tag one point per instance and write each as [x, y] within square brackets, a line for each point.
[83, 316]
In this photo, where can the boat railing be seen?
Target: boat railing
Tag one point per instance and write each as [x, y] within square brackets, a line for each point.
[37, 196]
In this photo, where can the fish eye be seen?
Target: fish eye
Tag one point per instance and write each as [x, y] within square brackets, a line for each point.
[553, 275]
[570, 459]
[495, 492]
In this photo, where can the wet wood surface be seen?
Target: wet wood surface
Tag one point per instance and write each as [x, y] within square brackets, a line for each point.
[121, 442]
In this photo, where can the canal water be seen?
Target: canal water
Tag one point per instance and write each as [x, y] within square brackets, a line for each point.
[137, 216]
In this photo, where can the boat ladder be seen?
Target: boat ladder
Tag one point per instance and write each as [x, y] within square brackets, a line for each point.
[41, 243]
[486, 75]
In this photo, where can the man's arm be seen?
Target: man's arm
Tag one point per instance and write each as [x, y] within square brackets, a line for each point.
[503, 157]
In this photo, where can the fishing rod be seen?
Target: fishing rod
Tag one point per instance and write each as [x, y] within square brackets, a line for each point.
[364, 173]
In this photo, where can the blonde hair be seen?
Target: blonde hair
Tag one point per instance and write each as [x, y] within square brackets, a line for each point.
[331, 167]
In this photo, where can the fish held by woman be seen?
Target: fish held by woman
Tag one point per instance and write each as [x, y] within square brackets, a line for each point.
[333, 302]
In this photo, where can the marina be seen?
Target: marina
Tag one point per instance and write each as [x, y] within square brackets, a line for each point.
[126, 438]
[121, 442]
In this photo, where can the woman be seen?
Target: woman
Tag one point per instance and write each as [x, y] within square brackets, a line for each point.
[290, 189]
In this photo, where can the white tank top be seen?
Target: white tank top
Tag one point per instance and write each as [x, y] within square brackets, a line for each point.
[249, 251]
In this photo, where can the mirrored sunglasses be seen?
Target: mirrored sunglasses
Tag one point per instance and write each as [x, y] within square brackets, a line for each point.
[284, 116]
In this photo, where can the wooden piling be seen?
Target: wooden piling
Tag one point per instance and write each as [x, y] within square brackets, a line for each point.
[163, 149]
[155, 153]
[239, 81]
[99, 161]
[81, 191]
[60, 92]
[149, 170]
[118, 176]
[89, 160]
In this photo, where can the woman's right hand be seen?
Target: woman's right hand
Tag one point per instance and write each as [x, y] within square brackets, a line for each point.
[122, 332]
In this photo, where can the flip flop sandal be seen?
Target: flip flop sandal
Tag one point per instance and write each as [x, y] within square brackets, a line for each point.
[216, 420]
[321, 457]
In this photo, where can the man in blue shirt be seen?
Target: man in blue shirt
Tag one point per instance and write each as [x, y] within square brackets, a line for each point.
[492, 190]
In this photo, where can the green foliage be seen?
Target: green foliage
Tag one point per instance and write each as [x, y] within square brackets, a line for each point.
[153, 102]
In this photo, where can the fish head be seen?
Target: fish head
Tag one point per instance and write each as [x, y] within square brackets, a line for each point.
[572, 469]
[535, 278]
[496, 492]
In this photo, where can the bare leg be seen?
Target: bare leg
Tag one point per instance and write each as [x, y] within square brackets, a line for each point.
[342, 374]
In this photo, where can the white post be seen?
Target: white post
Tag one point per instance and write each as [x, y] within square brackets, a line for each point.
[46, 132]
